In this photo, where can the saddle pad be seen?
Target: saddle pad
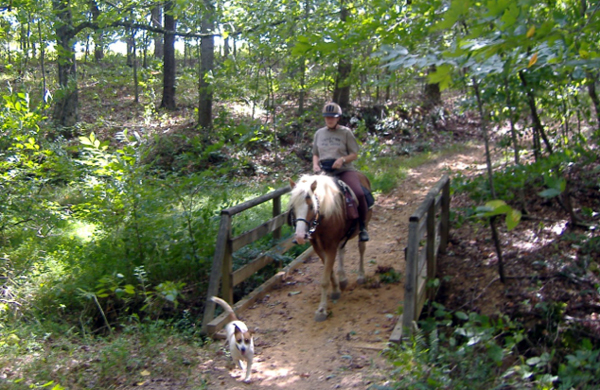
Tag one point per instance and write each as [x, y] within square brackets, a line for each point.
[351, 201]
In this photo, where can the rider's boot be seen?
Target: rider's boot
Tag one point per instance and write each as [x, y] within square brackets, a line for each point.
[363, 235]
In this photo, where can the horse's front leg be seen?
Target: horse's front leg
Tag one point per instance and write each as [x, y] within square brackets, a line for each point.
[321, 313]
[343, 279]
[362, 245]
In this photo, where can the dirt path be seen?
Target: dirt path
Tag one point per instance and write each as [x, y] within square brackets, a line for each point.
[293, 351]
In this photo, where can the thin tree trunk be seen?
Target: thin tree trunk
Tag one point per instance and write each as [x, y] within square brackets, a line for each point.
[207, 46]
[135, 67]
[488, 160]
[168, 99]
[98, 35]
[515, 140]
[159, 47]
[42, 60]
[341, 93]
[591, 86]
[66, 99]
[537, 123]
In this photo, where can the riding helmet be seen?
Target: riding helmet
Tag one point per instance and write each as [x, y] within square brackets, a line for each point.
[332, 109]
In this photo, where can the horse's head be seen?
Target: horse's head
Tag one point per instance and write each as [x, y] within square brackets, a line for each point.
[304, 209]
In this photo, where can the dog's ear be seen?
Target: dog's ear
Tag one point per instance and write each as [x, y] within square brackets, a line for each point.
[313, 186]
[292, 183]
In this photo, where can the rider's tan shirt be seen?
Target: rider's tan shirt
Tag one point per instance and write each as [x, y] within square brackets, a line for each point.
[334, 144]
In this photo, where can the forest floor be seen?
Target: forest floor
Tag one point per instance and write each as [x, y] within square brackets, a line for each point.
[295, 352]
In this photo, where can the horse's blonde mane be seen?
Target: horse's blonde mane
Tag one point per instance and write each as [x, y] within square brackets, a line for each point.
[326, 190]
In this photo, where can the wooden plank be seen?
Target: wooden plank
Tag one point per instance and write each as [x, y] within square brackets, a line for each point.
[257, 233]
[256, 201]
[431, 235]
[257, 264]
[421, 210]
[445, 217]
[422, 229]
[422, 257]
[217, 269]
[396, 336]
[410, 284]
[276, 212]
[422, 293]
[218, 323]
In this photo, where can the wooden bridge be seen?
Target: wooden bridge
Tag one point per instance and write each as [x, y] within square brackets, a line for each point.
[427, 236]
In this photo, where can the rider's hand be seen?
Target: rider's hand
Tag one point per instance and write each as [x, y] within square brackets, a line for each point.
[316, 168]
[338, 163]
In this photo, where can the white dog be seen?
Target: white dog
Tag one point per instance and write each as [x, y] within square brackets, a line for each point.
[241, 344]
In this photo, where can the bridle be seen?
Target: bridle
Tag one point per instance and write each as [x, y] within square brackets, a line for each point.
[313, 223]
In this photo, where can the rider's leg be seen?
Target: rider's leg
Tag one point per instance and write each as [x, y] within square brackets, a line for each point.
[351, 178]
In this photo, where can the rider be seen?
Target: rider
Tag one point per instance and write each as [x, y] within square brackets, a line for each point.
[336, 145]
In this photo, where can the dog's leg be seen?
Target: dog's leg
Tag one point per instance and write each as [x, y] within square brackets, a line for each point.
[340, 269]
[362, 245]
[248, 370]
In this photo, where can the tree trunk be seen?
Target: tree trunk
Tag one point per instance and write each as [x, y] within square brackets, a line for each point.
[159, 47]
[591, 86]
[207, 47]
[168, 99]
[432, 93]
[538, 128]
[66, 99]
[488, 160]
[98, 35]
[341, 93]
[42, 61]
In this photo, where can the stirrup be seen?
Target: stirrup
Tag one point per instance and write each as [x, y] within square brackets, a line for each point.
[363, 235]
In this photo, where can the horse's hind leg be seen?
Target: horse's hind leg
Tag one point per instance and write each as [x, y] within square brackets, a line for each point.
[362, 245]
[340, 271]
[321, 313]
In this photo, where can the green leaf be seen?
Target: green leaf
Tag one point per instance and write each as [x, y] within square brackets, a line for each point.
[442, 75]
[461, 315]
[495, 353]
[512, 219]
[510, 16]
[497, 7]
[550, 193]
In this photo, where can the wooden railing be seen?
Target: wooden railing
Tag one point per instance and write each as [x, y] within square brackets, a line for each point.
[222, 272]
[431, 221]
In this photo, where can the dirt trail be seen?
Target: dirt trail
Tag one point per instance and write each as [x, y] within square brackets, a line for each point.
[293, 351]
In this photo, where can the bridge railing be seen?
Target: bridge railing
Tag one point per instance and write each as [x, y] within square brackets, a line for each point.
[222, 273]
[431, 221]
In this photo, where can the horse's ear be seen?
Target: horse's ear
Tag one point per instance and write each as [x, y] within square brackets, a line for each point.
[313, 186]
[292, 183]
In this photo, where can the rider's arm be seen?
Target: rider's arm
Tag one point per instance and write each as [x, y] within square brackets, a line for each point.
[316, 166]
[344, 160]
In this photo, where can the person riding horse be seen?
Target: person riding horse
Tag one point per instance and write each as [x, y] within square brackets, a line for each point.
[334, 149]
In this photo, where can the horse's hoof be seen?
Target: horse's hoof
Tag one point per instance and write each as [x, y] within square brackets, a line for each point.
[360, 280]
[335, 296]
[320, 317]
[343, 284]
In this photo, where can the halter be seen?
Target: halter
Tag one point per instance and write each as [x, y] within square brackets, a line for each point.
[312, 224]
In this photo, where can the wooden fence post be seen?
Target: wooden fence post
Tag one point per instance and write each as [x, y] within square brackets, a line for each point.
[223, 239]
[431, 237]
[410, 287]
[276, 212]
[445, 216]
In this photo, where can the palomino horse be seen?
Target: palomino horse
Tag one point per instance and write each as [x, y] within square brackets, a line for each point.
[319, 214]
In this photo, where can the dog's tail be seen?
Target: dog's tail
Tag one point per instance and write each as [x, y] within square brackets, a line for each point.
[226, 307]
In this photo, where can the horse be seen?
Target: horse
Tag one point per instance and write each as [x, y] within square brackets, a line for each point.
[318, 210]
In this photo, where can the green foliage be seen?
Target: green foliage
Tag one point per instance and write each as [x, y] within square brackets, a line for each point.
[455, 350]
[499, 207]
